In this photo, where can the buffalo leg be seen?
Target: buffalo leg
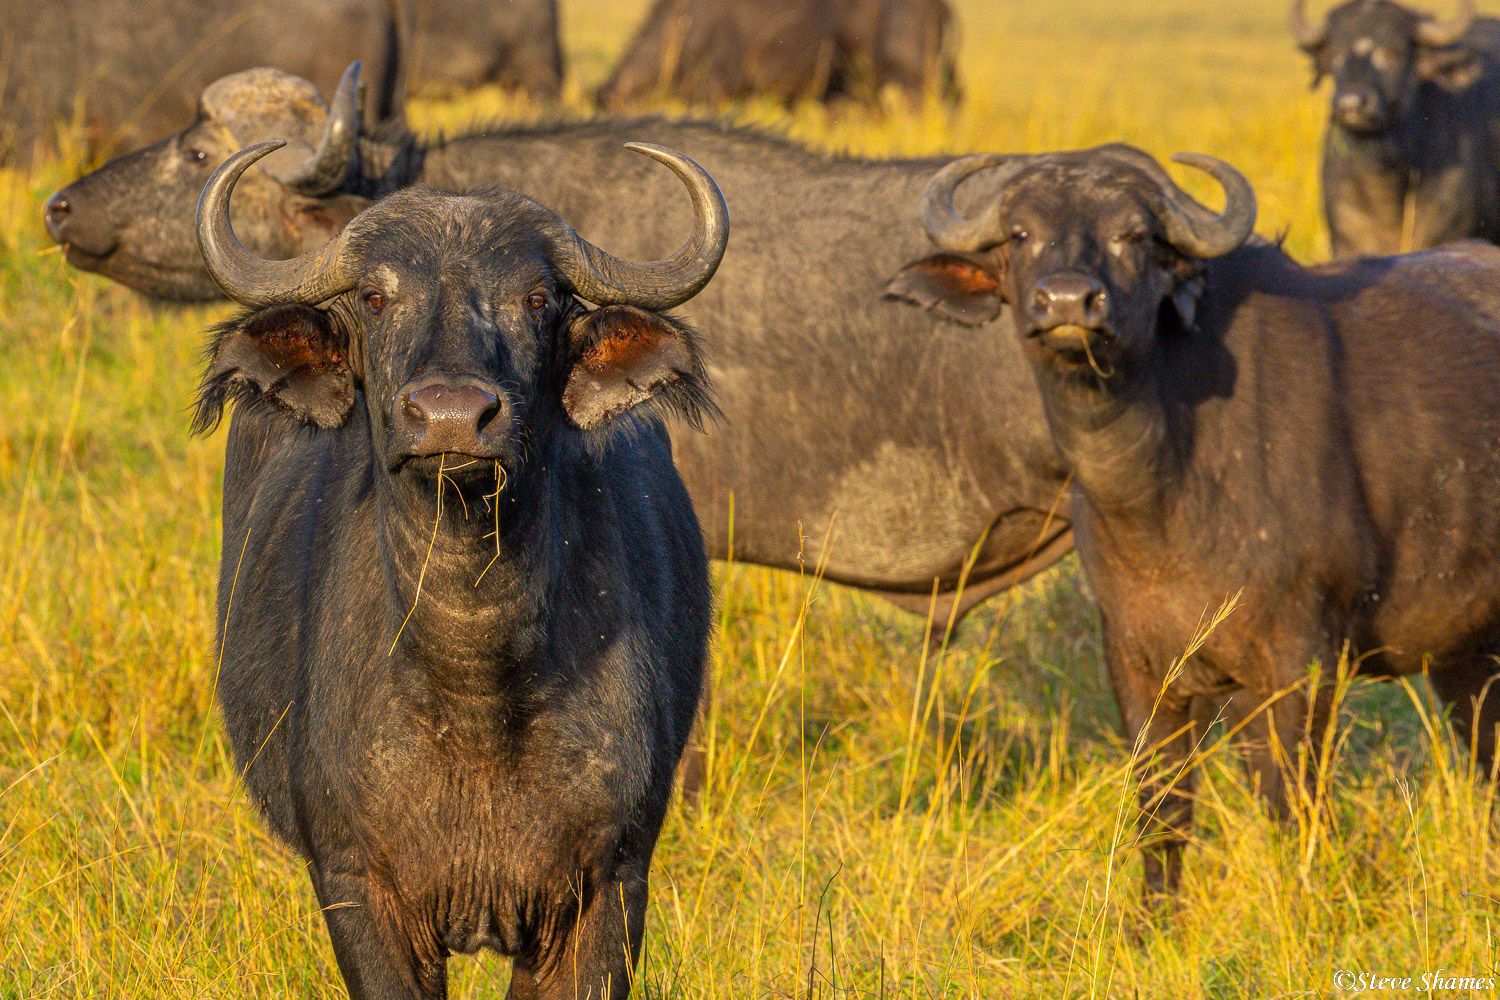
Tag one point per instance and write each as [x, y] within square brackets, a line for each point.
[1161, 726]
[1469, 691]
[1272, 739]
[597, 953]
[373, 966]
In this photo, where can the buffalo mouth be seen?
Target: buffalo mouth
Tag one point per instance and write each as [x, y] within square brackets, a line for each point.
[85, 260]
[1365, 124]
[1078, 345]
[154, 280]
[455, 465]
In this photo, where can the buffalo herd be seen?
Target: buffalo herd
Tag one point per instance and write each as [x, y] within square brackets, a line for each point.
[477, 464]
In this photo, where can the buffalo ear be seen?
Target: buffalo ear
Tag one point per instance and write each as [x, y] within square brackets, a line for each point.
[1450, 67]
[955, 287]
[620, 356]
[315, 221]
[292, 357]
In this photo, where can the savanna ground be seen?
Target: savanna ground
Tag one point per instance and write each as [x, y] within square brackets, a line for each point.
[877, 822]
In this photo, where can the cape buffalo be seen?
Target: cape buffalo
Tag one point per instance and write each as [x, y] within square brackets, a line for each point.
[712, 51]
[134, 67]
[888, 445]
[1411, 158]
[463, 602]
[1323, 442]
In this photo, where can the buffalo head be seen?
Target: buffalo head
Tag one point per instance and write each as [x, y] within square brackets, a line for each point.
[1378, 53]
[1088, 248]
[455, 322]
[132, 219]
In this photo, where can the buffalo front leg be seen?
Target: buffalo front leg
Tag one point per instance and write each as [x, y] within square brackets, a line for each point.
[1160, 727]
[1280, 739]
[594, 956]
[375, 964]
[1470, 690]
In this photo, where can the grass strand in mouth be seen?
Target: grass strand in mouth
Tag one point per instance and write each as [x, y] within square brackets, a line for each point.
[422, 575]
[499, 488]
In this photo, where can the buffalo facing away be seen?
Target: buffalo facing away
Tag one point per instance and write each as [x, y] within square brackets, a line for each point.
[1320, 441]
[713, 51]
[463, 600]
[1411, 158]
[894, 448]
[134, 68]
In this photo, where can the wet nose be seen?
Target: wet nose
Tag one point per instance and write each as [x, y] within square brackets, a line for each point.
[1355, 105]
[56, 215]
[441, 416]
[1069, 299]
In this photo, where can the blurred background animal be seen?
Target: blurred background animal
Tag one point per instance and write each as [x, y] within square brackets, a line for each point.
[1411, 157]
[133, 70]
[714, 51]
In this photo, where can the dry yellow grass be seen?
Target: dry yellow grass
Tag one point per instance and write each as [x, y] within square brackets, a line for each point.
[876, 823]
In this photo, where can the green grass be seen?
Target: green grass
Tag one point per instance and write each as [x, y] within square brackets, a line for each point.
[877, 822]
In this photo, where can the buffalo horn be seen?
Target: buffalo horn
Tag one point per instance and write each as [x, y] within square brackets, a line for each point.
[309, 279]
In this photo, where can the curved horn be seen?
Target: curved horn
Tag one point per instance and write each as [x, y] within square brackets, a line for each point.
[1309, 36]
[945, 227]
[1439, 33]
[309, 279]
[336, 150]
[1192, 228]
[605, 279]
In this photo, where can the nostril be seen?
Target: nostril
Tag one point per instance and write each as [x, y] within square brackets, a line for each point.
[59, 207]
[1042, 298]
[414, 412]
[486, 415]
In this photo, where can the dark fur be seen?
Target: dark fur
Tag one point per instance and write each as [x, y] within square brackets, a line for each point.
[1319, 440]
[789, 50]
[484, 761]
[1429, 133]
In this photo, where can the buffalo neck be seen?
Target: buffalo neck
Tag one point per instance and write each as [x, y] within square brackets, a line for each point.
[1113, 436]
[469, 574]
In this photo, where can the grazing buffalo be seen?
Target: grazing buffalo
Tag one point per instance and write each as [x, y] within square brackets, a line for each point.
[1411, 158]
[891, 447]
[134, 68]
[712, 51]
[463, 603]
[1322, 442]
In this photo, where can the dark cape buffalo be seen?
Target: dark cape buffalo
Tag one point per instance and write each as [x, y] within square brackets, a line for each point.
[1411, 158]
[891, 447]
[463, 603]
[134, 68]
[713, 51]
[1322, 442]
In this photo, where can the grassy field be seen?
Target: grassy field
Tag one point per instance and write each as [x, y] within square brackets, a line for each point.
[877, 823]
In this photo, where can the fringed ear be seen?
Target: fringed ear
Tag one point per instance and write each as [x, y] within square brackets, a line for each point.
[292, 357]
[955, 287]
[1452, 67]
[620, 356]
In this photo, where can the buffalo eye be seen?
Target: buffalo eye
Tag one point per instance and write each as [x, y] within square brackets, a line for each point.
[1018, 234]
[1132, 237]
[195, 156]
[375, 300]
[537, 301]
